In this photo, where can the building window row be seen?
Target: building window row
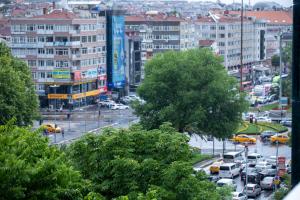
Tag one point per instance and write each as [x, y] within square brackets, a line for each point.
[166, 46]
[166, 28]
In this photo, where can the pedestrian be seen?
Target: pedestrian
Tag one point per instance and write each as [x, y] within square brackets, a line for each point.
[63, 132]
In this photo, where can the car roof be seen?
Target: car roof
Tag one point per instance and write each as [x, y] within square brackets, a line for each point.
[251, 185]
[268, 177]
[225, 180]
[228, 164]
[254, 154]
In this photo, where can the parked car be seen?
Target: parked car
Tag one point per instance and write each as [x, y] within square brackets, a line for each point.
[286, 122]
[243, 138]
[52, 128]
[252, 190]
[253, 177]
[265, 135]
[215, 167]
[106, 103]
[228, 182]
[263, 119]
[238, 196]
[267, 183]
[271, 160]
[280, 138]
[119, 107]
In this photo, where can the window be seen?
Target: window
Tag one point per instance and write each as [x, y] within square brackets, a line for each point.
[49, 63]
[61, 63]
[41, 87]
[222, 35]
[49, 27]
[41, 39]
[41, 27]
[41, 51]
[84, 39]
[32, 63]
[61, 52]
[42, 74]
[31, 40]
[41, 63]
[49, 51]
[49, 39]
[30, 27]
[84, 51]
[221, 27]
[33, 75]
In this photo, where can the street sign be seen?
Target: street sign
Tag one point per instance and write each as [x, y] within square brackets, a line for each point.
[281, 162]
[284, 101]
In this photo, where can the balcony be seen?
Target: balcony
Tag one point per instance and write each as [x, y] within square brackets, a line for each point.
[74, 31]
[45, 32]
[45, 56]
[49, 44]
[74, 43]
[76, 56]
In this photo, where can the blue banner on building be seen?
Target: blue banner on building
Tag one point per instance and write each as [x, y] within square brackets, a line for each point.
[118, 51]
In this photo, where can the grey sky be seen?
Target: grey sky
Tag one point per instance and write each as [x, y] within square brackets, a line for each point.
[282, 2]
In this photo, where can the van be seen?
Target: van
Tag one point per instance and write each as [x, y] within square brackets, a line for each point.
[229, 170]
[233, 157]
[254, 158]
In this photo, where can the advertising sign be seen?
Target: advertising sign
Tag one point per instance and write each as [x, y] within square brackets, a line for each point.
[118, 51]
[61, 74]
[284, 101]
[77, 75]
[57, 96]
[281, 162]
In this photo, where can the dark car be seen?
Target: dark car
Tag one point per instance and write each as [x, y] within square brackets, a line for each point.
[286, 122]
[253, 177]
[250, 170]
[267, 172]
[264, 136]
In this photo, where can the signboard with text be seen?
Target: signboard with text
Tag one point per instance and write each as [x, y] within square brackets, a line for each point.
[61, 74]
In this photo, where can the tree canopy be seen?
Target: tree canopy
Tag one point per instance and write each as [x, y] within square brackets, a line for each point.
[31, 169]
[17, 94]
[192, 90]
[140, 164]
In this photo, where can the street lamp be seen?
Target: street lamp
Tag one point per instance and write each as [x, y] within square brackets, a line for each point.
[246, 178]
[55, 102]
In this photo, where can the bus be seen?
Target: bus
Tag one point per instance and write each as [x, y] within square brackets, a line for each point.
[233, 157]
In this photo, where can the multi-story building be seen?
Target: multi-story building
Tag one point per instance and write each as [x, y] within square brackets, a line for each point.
[159, 33]
[277, 22]
[133, 56]
[225, 30]
[66, 53]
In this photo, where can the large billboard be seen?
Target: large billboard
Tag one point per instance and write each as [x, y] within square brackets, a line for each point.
[118, 51]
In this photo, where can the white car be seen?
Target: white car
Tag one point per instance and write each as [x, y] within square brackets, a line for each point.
[254, 158]
[106, 103]
[260, 166]
[267, 183]
[252, 190]
[238, 196]
[263, 119]
[119, 107]
[227, 182]
[262, 100]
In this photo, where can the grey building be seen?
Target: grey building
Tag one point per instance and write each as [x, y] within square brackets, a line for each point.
[133, 55]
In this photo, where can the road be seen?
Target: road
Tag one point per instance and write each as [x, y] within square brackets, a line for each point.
[87, 120]
[265, 149]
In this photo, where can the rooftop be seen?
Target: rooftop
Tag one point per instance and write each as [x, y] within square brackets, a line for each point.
[157, 17]
[272, 17]
[57, 14]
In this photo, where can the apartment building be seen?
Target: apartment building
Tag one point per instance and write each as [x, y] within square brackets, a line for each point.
[277, 22]
[66, 52]
[159, 33]
[225, 30]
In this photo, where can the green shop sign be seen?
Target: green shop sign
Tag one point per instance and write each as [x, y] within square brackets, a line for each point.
[61, 74]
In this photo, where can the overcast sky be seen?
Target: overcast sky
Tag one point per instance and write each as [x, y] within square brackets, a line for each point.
[282, 2]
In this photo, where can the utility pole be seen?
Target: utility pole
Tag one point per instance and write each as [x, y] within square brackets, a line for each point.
[241, 58]
[280, 74]
[296, 94]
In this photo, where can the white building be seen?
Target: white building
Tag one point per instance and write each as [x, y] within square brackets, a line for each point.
[225, 30]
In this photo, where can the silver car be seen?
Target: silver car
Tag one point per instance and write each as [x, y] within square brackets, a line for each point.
[252, 190]
[267, 183]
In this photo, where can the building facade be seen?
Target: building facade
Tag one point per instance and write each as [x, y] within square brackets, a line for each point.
[67, 56]
[159, 33]
[225, 30]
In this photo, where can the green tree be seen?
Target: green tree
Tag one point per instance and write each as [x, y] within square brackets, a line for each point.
[140, 164]
[31, 169]
[17, 94]
[192, 90]
[275, 60]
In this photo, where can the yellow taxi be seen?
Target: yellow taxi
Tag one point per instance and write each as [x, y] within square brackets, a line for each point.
[243, 139]
[51, 128]
[215, 167]
[280, 138]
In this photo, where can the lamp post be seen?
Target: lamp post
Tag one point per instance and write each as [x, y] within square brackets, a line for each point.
[55, 102]
[280, 74]
[246, 178]
[276, 163]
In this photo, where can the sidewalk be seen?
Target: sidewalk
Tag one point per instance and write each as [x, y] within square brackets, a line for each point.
[206, 163]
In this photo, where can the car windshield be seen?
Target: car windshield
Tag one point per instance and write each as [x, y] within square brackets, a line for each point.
[220, 184]
[224, 168]
[268, 179]
[249, 188]
[251, 157]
